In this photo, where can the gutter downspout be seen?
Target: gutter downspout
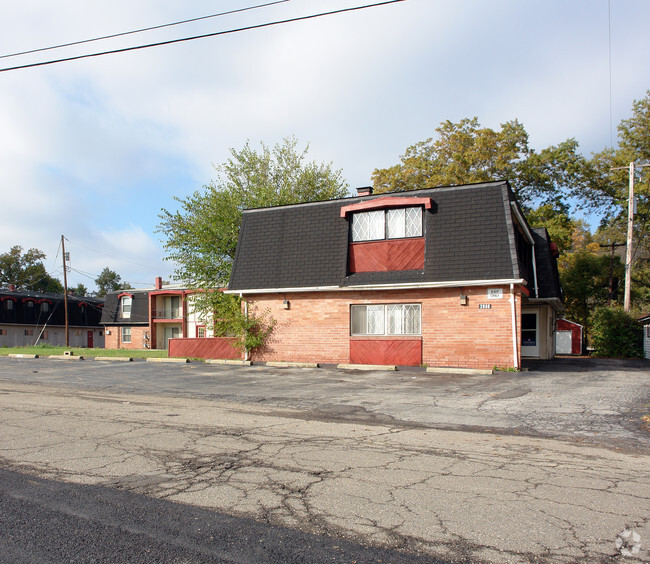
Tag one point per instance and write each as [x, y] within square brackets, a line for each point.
[513, 308]
[241, 296]
[535, 271]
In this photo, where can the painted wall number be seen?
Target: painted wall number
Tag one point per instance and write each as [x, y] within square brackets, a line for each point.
[485, 306]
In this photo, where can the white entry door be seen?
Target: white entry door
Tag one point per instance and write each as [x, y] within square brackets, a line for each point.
[530, 333]
[563, 342]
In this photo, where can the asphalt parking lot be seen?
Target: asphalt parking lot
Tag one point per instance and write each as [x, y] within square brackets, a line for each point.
[595, 401]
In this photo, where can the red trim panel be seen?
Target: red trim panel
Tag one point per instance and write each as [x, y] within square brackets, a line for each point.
[210, 347]
[402, 352]
[391, 254]
[386, 202]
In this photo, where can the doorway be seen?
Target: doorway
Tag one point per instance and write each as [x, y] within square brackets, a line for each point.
[530, 333]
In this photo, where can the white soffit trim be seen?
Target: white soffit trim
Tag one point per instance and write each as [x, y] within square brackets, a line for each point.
[368, 287]
[522, 223]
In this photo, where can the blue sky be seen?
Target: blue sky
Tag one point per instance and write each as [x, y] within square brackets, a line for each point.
[94, 148]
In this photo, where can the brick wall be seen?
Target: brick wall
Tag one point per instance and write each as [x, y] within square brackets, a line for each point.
[316, 327]
[139, 337]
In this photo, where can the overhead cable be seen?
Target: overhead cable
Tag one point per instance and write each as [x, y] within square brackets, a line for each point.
[142, 30]
[215, 34]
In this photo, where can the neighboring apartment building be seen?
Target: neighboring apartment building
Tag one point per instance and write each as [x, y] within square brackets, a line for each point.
[29, 318]
[447, 277]
[148, 318]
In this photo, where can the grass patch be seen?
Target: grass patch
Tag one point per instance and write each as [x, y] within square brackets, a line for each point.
[46, 350]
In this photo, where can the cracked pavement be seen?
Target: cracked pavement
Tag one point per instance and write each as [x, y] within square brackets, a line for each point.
[486, 496]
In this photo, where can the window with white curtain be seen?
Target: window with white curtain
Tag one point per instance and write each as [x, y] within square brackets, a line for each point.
[387, 224]
[386, 319]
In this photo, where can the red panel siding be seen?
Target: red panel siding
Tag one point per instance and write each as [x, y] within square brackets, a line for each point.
[403, 352]
[213, 347]
[378, 256]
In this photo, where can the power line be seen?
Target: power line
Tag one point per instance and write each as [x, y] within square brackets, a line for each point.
[215, 34]
[142, 30]
[122, 259]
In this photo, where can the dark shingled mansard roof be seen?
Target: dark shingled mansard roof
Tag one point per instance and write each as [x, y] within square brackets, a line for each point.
[56, 314]
[548, 278]
[139, 308]
[469, 235]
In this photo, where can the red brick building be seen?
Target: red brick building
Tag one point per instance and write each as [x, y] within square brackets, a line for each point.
[149, 318]
[447, 277]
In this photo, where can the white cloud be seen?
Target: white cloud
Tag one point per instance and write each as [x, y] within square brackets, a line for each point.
[94, 148]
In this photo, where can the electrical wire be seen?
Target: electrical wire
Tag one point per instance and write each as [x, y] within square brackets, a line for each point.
[206, 35]
[141, 30]
[153, 268]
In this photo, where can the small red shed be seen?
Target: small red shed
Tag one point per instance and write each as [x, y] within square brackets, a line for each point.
[568, 337]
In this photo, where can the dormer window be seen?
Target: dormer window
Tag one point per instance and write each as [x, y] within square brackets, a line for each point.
[125, 307]
[29, 313]
[391, 223]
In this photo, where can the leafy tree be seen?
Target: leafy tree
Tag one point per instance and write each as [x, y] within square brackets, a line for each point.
[251, 328]
[201, 237]
[465, 152]
[79, 290]
[605, 191]
[616, 333]
[26, 271]
[109, 281]
[569, 234]
[585, 281]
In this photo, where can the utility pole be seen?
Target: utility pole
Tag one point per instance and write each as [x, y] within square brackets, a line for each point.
[630, 233]
[611, 266]
[65, 292]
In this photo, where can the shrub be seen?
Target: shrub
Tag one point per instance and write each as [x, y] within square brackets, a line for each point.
[615, 333]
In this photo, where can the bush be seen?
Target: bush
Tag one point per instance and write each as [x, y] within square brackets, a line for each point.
[615, 333]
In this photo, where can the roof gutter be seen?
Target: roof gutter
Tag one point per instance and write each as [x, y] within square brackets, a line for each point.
[529, 236]
[369, 287]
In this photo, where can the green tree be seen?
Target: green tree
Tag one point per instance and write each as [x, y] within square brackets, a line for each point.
[585, 280]
[465, 152]
[615, 333]
[251, 328]
[26, 271]
[569, 234]
[605, 192]
[201, 237]
[79, 290]
[109, 281]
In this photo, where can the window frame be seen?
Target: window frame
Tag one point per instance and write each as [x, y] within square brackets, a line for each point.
[123, 302]
[386, 235]
[387, 321]
[123, 334]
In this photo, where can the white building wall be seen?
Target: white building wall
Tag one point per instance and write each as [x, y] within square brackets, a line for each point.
[27, 335]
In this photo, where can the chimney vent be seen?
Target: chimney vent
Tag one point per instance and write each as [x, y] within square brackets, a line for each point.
[365, 191]
[12, 287]
[158, 283]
